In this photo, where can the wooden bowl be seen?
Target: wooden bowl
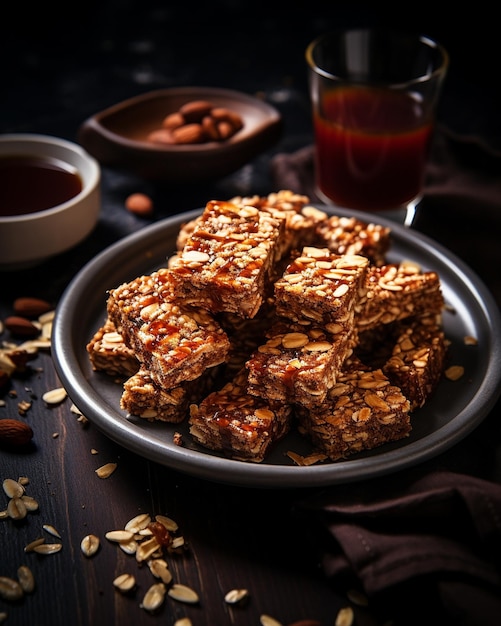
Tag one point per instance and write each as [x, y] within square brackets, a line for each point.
[118, 136]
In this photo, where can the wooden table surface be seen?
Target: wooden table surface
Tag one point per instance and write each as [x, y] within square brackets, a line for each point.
[235, 537]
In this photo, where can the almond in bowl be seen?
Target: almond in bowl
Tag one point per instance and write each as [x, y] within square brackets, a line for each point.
[183, 134]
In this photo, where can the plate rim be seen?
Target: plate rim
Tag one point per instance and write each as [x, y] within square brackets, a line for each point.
[225, 470]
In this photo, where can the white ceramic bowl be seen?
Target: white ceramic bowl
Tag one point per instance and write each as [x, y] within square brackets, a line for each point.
[28, 239]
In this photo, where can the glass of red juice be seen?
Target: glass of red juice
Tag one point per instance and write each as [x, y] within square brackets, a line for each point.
[374, 96]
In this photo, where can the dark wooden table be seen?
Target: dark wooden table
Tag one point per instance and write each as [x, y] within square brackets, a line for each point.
[236, 537]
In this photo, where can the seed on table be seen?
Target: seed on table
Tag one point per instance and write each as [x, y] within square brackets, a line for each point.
[236, 595]
[267, 620]
[147, 549]
[54, 396]
[169, 523]
[182, 593]
[51, 530]
[26, 579]
[129, 547]
[119, 535]
[124, 582]
[154, 597]
[345, 617]
[159, 569]
[105, 471]
[138, 523]
[90, 545]
[10, 589]
[30, 503]
[48, 548]
[16, 509]
[30, 547]
[12, 488]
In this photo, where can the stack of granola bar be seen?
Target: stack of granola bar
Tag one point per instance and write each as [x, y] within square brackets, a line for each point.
[273, 315]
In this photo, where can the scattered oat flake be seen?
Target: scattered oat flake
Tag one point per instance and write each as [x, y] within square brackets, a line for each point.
[26, 578]
[124, 582]
[94, 451]
[51, 530]
[234, 596]
[454, 372]
[137, 523]
[154, 597]
[90, 545]
[267, 620]
[54, 396]
[106, 470]
[119, 535]
[182, 593]
[48, 548]
[30, 547]
[345, 617]
[55, 435]
[311, 459]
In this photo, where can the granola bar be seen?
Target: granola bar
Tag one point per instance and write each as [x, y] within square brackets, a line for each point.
[362, 411]
[417, 360]
[242, 426]
[395, 292]
[173, 342]
[320, 287]
[300, 216]
[109, 354]
[349, 235]
[227, 262]
[143, 397]
[298, 364]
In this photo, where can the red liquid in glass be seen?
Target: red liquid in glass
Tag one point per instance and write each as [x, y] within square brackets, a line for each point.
[371, 148]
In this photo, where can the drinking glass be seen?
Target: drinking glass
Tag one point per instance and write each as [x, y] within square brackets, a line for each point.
[374, 96]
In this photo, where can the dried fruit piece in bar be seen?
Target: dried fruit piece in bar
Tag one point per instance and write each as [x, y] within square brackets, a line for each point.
[173, 342]
[238, 424]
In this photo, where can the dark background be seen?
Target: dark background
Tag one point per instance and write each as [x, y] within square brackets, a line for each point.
[93, 54]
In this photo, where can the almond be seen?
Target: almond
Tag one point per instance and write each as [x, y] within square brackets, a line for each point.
[139, 204]
[195, 110]
[21, 326]
[222, 114]
[210, 129]
[31, 307]
[14, 432]
[190, 133]
[161, 136]
[174, 120]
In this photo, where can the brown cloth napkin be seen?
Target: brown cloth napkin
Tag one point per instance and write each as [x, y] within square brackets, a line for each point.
[462, 171]
[425, 550]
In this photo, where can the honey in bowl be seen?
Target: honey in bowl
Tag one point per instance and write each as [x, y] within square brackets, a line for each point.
[29, 184]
